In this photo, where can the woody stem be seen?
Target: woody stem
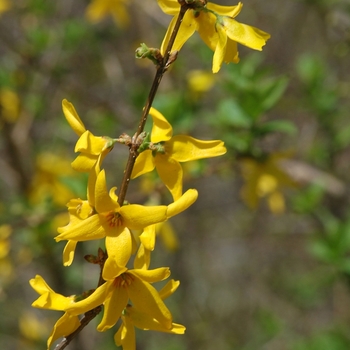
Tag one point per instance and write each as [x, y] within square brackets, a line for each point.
[152, 93]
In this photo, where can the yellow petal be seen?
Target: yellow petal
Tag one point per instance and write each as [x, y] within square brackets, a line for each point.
[246, 35]
[136, 217]
[84, 162]
[91, 144]
[126, 335]
[68, 253]
[85, 230]
[206, 23]
[186, 148]
[146, 299]
[220, 50]
[111, 269]
[170, 7]
[103, 201]
[95, 299]
[66, 325]
[170, 172]
[144, 164]
[230, 11]
[231, 54]
[39, 285]
[48, 298]
[151, 276]
[161, 130]
[148, 237]
[143, 258]
[119, 251]
[113, 308]
[72, 117]
[146, 322]
[186, 200]
[169, 289]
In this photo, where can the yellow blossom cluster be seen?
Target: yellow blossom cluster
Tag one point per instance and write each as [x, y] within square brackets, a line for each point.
[125, 291]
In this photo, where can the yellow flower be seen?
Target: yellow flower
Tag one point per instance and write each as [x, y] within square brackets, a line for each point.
[132, 318]
[265, 179]
[173, 150]
[98, 9]
[48, 298]
[217, 28]
[112, 221]
[92, 148]
[122, 286]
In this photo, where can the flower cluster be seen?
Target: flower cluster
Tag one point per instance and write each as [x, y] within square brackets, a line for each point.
[216, 26]
[125, 293]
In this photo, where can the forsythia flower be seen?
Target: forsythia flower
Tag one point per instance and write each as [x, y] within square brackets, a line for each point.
[217, 28]
[112, 221]
[98, 9]
[50, 300]
[92, 148]
[122, 286]
[132, 318]
[175, 149]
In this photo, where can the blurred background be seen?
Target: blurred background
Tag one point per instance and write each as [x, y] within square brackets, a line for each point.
[263, 256]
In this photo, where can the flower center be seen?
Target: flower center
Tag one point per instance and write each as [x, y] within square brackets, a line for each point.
[123, 280]
[114, 219]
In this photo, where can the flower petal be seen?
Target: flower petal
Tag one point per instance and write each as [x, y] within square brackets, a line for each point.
[230, 11]
[220, 50]
[151, 276]
[68, 253]
[161, 130]
[113, 308]
[146, 322]
[143, 164]
[66, 325]
[170, 7]
[148, 237]
[169, 289]
[146, 299]
[170, 171]
[85, 230]
[186, 148]
[95, 299]
[72, 117]
[91, 144]
[84, 162]
[186, 200]
[143, 258]
[126, 335]
[103, 201]
[244, 34]
[136, 217]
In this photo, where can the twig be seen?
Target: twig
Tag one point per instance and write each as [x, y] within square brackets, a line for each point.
[156, 82]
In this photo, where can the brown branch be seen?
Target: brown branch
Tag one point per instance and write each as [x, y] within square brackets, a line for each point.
[88, 316]
[156, 82]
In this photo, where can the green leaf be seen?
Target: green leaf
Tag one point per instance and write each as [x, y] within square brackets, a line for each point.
[274, 93]
[231, 113]
[284, 126]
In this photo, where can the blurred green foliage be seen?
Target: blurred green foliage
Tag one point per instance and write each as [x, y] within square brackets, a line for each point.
[250, 278]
